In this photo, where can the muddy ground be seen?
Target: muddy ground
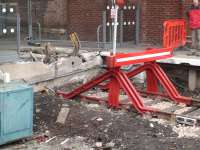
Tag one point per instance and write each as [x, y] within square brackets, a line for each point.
[91, 127]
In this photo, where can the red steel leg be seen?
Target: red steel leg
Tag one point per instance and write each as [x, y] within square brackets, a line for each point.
[120, 80]
[132, 93]
[114, 90]
[85, 87]
[168, 85]
[158, 73]
[152, 82]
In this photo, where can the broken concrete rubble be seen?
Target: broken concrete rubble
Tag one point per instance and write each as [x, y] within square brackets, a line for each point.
[187, 132]
[63, 114]
[74, 77]
[66, 65]
[41, 50]
[87, 56]
[77, 143]
[98, 144]
[28, 70]
[181, 130]
[64, 70]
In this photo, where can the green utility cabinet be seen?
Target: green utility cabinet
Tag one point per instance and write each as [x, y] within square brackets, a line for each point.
[16, 111]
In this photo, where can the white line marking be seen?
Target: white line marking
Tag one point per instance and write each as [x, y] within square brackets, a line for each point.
[143, 56]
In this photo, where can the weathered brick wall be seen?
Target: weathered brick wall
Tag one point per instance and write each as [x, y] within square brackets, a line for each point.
[154, 13]
[81, 16]
[50, 13]
[56, 14]
[85, 16]
[129, 15]
[187, 4]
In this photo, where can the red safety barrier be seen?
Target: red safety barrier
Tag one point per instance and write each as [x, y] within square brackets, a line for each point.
[174, 33]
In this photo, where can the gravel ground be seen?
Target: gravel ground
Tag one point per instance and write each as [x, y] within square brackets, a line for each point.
[90, 126]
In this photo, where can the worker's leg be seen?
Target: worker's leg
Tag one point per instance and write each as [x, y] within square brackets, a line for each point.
[194, 39]
[193, 49]
[198, 39]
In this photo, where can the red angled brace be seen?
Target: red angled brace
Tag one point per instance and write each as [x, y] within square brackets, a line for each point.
[158, 75]
[174, 35]
[118, 80]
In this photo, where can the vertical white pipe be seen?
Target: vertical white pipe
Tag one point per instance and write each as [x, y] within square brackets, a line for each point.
[30, 30]
[115, 30]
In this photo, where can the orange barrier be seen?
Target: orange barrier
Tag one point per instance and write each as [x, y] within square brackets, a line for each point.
[174, 33]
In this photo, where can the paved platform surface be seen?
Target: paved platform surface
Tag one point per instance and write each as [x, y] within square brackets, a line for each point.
[182, 57]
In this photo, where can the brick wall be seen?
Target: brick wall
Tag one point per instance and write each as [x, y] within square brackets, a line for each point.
[81, 16]
[187, 4]
[154, 13]
[56, 14]
[50, 13]
[129, 15]
[85, 16]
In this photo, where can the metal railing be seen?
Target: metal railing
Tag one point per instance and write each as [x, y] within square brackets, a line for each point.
[11, 32]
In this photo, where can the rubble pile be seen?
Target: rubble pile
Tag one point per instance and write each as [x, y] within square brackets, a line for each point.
[49, 66]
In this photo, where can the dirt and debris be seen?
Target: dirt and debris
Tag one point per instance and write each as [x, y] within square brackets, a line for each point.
[49, 66]
[186, 131]
[181, 130]
[95, 127]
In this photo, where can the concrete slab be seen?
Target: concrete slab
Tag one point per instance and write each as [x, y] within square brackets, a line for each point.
[28, 71]
[66, 70]
[73, 77]
[191, 62]
[8, 56]
[192, 80]
[66, 65]
[181, 57]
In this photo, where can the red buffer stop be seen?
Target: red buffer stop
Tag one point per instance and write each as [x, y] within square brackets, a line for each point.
[174, 36]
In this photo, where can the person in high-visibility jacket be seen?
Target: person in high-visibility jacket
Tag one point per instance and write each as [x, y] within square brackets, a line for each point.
[194, 23]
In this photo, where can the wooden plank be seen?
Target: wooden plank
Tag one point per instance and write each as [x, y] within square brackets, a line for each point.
[184, 110]
[150, 102]
[162, 105]
[172, 109]
[194, 114]
[125, 101]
